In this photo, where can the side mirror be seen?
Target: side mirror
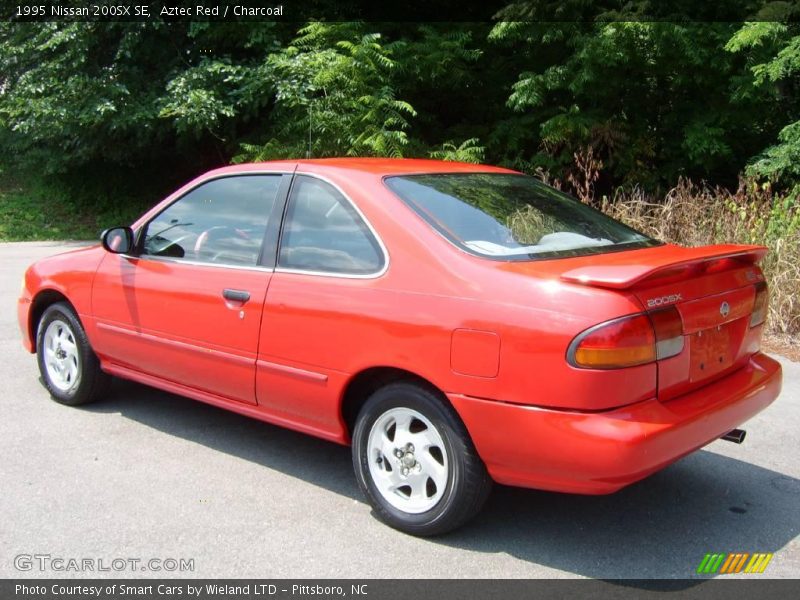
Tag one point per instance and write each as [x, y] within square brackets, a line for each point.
[117, 240]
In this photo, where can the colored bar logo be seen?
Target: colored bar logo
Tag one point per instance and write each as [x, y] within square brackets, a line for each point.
[734, 562]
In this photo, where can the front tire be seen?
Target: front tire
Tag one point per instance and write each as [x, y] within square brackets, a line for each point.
[415, 462]
[69, 367]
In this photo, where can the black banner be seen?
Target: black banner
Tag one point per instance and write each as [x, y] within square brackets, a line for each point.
[407, 10]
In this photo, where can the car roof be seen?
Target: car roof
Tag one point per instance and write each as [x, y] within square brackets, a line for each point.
[375, 166]
[393, 166]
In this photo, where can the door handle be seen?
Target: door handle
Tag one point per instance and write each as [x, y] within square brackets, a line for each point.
[236, 295]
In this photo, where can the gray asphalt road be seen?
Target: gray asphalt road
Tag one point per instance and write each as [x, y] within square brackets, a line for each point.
[147, 474]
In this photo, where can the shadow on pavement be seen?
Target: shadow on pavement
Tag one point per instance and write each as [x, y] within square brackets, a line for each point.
[658, 528]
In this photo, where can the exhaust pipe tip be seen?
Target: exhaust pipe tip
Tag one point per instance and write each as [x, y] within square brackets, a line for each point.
[736, 436]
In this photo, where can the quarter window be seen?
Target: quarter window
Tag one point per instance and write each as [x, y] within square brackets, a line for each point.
[220, 222]
[324, 233]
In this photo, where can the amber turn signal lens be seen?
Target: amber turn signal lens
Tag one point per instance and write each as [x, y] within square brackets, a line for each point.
[624, 342]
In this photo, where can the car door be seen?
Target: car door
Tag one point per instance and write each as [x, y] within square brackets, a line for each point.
[186, 307]
[328, 265]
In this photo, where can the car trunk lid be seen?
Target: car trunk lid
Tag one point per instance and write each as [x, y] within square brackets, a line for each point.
[713, 289]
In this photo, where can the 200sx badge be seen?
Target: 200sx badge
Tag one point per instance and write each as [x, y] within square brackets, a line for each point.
[662, 300]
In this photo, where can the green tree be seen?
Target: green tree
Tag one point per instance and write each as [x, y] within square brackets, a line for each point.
[334, 95]
[592, 98]
[772, 51]
[650, 98]
[107, 97]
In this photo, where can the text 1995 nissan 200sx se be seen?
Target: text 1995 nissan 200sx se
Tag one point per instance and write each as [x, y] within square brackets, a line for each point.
[455, 323]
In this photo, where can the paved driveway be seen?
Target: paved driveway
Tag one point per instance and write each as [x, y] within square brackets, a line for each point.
[147, 474]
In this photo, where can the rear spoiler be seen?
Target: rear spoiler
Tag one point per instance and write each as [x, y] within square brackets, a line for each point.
[626, 269]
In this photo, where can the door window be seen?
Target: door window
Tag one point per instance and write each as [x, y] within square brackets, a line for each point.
[325, 234]
[220, 222]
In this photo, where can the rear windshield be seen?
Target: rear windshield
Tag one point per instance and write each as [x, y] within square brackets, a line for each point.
[512, 217]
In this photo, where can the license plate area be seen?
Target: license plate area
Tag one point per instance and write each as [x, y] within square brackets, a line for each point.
[713, 350]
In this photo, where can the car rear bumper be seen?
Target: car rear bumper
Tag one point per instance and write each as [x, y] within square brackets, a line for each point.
[601, 452]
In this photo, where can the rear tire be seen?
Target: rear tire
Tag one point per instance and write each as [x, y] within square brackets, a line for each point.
[415, 462]
[69, 367]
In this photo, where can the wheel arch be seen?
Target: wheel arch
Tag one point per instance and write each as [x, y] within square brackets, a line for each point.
[40, 302]
[361, 386]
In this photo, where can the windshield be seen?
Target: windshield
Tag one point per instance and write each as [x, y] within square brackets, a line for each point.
[512, 217]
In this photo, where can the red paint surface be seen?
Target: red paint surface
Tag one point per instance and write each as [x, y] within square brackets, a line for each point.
[475, 353]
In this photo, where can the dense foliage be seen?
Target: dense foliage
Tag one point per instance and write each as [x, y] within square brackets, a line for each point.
[594, 103]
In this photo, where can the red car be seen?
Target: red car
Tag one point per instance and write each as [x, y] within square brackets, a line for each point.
[457, 324]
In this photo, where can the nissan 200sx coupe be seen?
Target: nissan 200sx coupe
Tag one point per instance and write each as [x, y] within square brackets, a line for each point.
[457, 324]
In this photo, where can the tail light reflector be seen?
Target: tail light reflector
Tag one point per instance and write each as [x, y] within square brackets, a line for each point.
[628, 341]
[759, 314]
[668, 328]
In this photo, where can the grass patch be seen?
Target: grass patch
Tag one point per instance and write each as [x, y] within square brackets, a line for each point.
[40, 212]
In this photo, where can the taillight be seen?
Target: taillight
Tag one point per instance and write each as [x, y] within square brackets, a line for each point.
[628, 341]
[624, 342]
[759, 314]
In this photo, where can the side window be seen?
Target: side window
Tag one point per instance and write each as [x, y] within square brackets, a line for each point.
[220, 222]
[323, 232]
